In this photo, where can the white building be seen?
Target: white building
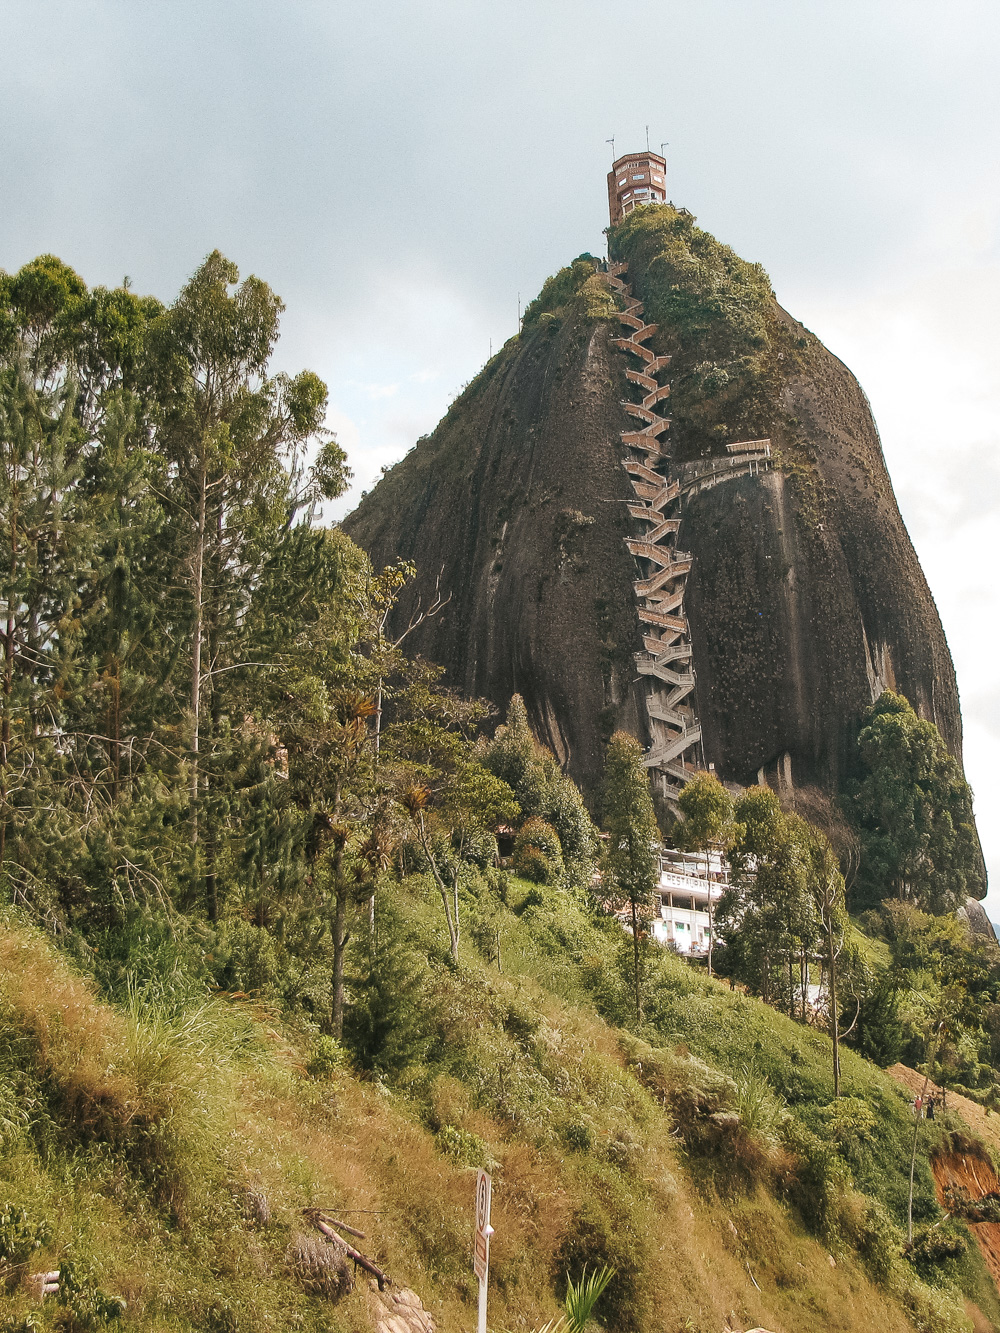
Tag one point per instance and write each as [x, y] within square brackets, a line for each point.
[686, 882]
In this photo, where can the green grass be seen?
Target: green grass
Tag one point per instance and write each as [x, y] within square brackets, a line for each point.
[675, 1155]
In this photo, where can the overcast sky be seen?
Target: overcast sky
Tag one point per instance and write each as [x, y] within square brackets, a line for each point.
[401, 172]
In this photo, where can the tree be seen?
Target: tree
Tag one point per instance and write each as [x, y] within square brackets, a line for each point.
[913, 811]
[768, 915]
[708, 822]
[632, 859]
[826, 884]
[44, 546]
[320, 705]
[543, 791]
[227, 429]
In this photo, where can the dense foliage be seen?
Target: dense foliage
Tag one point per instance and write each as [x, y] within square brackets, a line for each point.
[202, 718]
[913, 810]
[717, 318]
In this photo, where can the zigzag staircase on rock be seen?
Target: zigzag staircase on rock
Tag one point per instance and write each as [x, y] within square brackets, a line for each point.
[676, 749]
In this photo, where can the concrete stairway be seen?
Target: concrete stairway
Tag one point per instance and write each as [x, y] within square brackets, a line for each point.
[675, 750]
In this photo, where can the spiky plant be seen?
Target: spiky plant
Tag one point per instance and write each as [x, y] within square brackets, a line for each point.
[582, 1296]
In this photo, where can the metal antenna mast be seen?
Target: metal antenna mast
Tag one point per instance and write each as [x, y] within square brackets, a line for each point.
[647, 138]
[611, 141]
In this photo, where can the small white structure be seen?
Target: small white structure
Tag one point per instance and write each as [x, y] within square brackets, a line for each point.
[687, 881]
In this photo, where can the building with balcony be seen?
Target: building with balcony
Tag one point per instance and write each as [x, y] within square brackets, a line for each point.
[687, 883]
[639, 178]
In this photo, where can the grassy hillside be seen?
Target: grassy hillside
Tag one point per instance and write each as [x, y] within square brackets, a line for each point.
[164, 1140]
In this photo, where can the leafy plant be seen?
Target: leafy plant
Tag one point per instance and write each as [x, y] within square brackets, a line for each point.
[582, 1296]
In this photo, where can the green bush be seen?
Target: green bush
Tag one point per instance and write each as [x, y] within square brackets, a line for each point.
[607, 1231]
[390, 1020]
[466, 1148]
[933, 1246]
[717, 317]
[538, 852]
[246, 958]
[326, 1059]
[20, 1236]
[86, 1305]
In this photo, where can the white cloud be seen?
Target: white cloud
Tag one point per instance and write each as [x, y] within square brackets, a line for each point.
[927, 351]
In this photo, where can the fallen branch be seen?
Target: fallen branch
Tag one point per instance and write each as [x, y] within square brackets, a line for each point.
[342, 1226]
[360, 1259]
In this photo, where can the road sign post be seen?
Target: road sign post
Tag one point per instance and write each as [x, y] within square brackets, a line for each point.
[481, 1252]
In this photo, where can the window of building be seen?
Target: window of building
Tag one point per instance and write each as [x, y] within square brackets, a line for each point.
[623, 180]
[638, 178]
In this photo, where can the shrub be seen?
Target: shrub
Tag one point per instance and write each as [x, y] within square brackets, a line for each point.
[464, 1147]
[327, 1057]
[537, 852]
[934, 1246]
[820, 1179]
[533, 898]
[389, 1021]
[87, 1306]
[20, 1237]
[866, 1224]
[606, 1232]
[246, 958]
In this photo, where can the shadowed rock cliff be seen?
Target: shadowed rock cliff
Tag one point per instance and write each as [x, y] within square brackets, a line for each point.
[806, 598]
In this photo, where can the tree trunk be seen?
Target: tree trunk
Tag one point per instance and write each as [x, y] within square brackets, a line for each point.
[339, 943]
[115, 724]
[198, 573]
[214, 712]
[834, 1015]
[8, 684]
[635, 960]
[442, 888]
[711, 912]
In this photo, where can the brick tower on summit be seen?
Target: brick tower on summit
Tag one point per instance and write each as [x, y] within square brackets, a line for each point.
[638, 178]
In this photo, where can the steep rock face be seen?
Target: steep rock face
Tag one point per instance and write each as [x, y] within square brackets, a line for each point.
[806, 598]
[516, 501]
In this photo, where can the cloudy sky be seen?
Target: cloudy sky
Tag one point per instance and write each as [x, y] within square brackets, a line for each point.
[403, 172]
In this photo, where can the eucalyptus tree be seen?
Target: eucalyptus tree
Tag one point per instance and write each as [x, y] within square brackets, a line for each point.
[767, 915]
[632, 856]
[709, 823]
[233, 437]
[826, 883]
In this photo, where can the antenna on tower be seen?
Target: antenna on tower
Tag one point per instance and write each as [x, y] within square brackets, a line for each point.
[647, 138]
[611, 141]
[665, 144]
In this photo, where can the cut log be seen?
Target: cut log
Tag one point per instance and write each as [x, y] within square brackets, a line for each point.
[360, 1259]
